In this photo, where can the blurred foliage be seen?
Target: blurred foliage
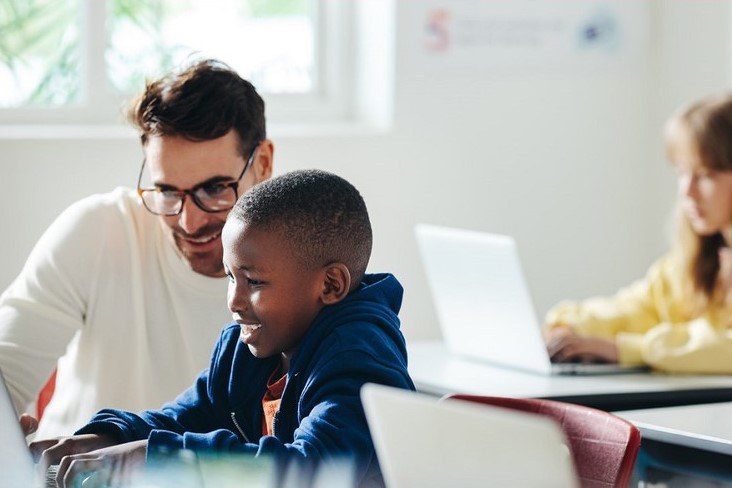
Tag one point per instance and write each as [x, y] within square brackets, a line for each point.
[40, 42]
[274, 8]
[42, 32]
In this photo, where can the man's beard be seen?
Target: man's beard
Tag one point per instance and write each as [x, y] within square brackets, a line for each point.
[208, 263]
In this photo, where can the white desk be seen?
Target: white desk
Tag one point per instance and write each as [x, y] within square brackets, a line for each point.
[437, 372]
[707, 427]
[684, 446]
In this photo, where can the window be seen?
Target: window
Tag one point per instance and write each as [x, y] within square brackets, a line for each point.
[39, 53]
[78, 61]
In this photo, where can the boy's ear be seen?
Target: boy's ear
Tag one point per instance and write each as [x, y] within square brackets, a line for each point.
[336, 283]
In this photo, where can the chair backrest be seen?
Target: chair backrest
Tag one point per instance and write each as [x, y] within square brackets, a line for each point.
[45, 395]
[604, 446]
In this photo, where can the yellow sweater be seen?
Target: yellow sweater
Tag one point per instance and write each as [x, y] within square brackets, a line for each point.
[650, 323]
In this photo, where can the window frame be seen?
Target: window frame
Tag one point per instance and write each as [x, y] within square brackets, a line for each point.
[327, 103]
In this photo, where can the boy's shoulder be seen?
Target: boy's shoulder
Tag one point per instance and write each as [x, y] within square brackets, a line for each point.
[374, 333]
[229, 338]
[380, 290]
[232, 329]
[373, 306]
[231, 334]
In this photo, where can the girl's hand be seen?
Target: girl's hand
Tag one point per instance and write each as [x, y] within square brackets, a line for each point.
[564, 345]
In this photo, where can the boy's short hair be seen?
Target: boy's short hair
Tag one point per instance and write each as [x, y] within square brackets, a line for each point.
[201, 102]
[321, 217]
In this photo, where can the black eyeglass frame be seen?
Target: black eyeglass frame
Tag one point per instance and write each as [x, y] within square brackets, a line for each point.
[234, 185]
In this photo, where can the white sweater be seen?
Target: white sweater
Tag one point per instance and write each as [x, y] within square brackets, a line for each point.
[106, 298]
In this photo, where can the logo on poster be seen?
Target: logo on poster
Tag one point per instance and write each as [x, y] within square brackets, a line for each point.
[437, 30]
[600, 32]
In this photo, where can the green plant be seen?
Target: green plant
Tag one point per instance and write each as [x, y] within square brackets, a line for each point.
[41, 36]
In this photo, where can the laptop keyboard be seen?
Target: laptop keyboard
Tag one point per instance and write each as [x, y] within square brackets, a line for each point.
[51, 476]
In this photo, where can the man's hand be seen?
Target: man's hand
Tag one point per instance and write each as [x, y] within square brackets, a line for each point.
[564, 345]
[28, 424]
[89, 453]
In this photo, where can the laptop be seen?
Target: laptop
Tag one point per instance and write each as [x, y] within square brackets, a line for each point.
[423, 442]
[483, 303]
[16, 462]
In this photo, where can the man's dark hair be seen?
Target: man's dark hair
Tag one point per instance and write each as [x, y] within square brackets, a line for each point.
[319, 216]
[202, 102]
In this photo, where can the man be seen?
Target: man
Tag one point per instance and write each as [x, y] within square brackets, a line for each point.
[125, 293]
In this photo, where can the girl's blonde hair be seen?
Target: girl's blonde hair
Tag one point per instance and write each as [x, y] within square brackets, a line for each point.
[707, 125]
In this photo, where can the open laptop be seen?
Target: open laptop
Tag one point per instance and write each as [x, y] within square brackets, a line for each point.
[423, 442]
[483, 302]
[16, 463]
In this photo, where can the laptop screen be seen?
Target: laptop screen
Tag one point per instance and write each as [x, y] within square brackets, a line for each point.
[421, 441]
[481, 297]
[16, 463]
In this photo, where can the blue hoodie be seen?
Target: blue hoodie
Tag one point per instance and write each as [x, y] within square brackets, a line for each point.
[353, 342]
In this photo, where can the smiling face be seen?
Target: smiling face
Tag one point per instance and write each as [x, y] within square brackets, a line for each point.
[705, 194]
[176, 163]
[271, 295]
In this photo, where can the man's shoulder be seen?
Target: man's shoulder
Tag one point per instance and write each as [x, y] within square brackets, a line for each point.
[93, 223]
[115, 201]
[100, 211]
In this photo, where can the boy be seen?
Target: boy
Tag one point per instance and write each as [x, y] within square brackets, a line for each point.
[311, 328]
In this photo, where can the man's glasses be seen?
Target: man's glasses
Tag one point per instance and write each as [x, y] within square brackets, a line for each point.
[209, 197]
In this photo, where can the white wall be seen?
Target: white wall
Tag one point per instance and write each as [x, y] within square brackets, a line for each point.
[570, 164]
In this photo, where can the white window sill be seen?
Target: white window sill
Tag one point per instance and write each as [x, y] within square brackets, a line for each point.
[118, 132]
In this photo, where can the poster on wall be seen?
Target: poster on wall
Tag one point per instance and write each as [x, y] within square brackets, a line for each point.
[526, 35]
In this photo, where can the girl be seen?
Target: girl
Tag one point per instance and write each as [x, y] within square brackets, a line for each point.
[678, 318]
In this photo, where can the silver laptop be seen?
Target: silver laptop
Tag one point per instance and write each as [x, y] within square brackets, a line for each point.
[16, 463]
[423, 442]
[483, 302]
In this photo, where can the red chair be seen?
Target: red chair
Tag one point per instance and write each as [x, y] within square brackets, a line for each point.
[45, 395]
[603, 446]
